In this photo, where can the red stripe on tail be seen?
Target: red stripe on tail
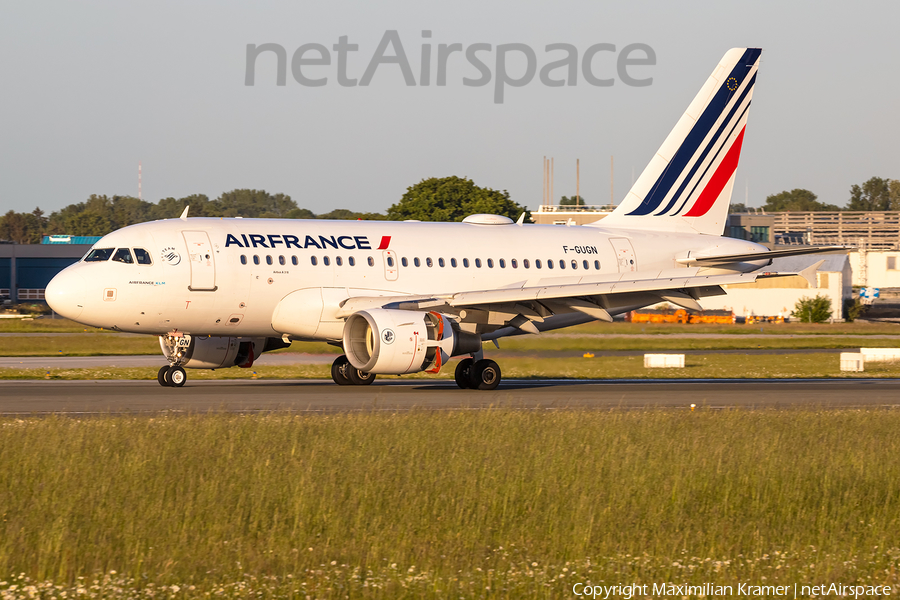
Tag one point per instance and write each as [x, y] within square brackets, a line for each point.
[719, 179]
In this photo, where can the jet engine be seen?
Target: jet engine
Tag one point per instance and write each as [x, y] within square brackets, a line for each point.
[395, 342]
[212, 352]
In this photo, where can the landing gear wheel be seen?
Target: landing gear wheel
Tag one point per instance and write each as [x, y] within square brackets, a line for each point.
[177, 377]
[463, 373]
[485, 375]
[358, 377]
[163, 376]
[340, 370]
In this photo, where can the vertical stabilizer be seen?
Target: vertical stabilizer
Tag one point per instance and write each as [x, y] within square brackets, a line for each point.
[687, 185]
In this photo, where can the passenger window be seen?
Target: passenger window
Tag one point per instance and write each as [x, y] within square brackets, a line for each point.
[338, 261]
[142, 256]
[575, 264]
[99, 254]
[123, 255]
[404, 262]
[390, 261]
[562, 264]
[466, 263]
[313, 260]
[453, 262]
[243, 259]
[351, 261]
[585, 265]
[597, 264]
[417, 262]
[268, 259]
[326, 261]
[525, 263]
[441, 262]
[428, 262]
[371, 261]
[281, 260]
[294, 261]
[490, 263]
[478, 262]
[502, 263]
[255, 259]
[514, 263]
[537, 264]
[549, 264]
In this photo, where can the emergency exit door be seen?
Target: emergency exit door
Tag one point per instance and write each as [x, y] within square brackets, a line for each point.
[625, 258]
[203, 262]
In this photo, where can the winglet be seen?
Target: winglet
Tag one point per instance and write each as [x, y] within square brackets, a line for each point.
[521, 218]
[184, 215]
[809, 274]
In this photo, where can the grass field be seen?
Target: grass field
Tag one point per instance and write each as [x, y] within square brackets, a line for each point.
[454, 504]
[514, 366]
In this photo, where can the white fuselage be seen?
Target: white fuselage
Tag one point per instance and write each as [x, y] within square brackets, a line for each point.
[225, 277]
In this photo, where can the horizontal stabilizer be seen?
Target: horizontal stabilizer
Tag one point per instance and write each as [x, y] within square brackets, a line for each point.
[706, 261]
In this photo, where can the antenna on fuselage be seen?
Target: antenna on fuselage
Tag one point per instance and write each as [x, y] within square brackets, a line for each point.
[183, 216]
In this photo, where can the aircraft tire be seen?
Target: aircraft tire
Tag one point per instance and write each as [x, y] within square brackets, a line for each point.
[177, 377]
[163, 376]
[358, 377]
[339, 369]
[485, 375]
[463, 373]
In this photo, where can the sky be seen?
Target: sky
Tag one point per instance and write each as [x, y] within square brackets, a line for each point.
[92, 89]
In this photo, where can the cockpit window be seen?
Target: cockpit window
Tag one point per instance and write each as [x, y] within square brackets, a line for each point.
[99, 254]
[123, 255]
[142, 256]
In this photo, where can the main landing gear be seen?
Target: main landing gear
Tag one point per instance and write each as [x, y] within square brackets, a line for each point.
[171, 376]
[482, 374]
[344, 373]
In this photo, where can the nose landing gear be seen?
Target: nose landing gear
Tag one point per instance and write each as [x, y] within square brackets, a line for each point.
[171, 376]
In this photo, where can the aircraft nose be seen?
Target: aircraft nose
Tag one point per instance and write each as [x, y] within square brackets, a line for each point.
[66, 294]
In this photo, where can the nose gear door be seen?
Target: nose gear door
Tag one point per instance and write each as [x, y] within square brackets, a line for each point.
[202, 259]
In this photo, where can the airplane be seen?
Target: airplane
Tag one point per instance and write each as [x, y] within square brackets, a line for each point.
[406, 297]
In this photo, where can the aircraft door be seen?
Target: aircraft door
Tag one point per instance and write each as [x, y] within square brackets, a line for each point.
[625, 258]
[202, 258]
[390, 265]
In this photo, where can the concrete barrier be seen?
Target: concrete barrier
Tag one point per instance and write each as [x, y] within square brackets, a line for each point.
[880, 354]
[664, 361]
[853, 361]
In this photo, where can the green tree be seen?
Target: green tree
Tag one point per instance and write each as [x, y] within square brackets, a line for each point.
[23, 228]
[252, 203]
[349, 215]
[88, 222]
[171, 208]
[875, 194]
[452, 199]
[813, 310]
[894, 193]
[796, 200]
[572, 201]
[737, 207]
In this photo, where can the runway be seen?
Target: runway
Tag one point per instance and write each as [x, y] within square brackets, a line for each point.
[36, 397]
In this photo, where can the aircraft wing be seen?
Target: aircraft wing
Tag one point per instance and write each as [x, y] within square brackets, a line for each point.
[521, 306]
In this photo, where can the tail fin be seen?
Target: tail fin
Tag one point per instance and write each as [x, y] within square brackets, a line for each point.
[687, 185]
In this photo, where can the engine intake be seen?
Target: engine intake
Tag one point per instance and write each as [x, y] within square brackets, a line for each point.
[394, 342]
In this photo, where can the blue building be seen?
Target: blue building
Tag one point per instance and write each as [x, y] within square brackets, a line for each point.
[26, 269]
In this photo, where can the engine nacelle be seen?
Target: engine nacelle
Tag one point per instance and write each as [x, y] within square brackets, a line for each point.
[212, 352]
[394, 342]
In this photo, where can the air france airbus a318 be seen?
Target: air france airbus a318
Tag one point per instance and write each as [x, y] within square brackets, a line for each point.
[407, 297]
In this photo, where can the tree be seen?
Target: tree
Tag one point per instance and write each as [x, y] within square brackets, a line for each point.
[813, 310]
[796, 200]
[452, 199]
[571, 201]
[23, 228]
[349, 215]
[875, 194]
[252, 203]
[737, 207]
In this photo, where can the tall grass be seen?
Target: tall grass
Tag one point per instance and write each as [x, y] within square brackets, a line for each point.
[428, 503]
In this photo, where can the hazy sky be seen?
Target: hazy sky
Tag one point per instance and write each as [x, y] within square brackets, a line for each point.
[89, 89]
